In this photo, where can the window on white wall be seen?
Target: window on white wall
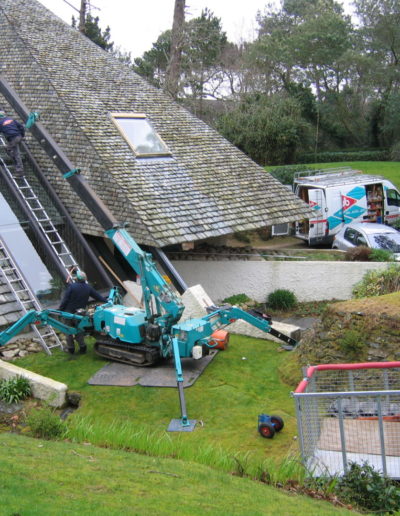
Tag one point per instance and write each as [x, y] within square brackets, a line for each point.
[140, 134]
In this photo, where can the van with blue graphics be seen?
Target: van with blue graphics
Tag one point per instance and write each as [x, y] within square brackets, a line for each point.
[340, 196]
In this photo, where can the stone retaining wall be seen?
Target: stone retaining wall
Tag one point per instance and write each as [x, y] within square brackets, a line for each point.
[354, 331]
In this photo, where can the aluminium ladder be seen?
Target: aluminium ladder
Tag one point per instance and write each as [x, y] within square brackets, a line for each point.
[26, 299]
[61, 250]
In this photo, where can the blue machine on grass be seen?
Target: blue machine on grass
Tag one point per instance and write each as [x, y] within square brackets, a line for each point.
[138, 336]
[269, 425]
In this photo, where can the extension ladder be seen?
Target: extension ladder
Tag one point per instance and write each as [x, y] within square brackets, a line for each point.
[40, 215]
[26, 299]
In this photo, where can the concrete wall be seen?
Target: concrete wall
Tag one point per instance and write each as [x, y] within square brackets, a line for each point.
[310, 281]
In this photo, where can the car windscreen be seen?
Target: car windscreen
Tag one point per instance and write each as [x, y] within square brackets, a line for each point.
[387, 241]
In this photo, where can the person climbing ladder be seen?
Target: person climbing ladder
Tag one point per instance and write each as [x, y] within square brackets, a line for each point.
[14, 132]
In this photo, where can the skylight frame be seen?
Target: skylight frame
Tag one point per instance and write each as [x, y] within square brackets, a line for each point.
[141, 116]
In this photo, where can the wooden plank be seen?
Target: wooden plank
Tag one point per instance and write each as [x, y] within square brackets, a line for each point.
[361, 436]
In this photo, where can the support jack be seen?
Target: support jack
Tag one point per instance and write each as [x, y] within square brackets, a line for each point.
[184, 424]
[177, 425]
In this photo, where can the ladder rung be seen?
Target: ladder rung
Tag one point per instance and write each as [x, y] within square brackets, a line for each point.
[45, 335]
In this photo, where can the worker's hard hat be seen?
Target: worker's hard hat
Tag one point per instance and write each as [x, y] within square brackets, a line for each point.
[80, 275]
[2, 114]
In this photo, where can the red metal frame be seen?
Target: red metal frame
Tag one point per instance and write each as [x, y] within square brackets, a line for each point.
[330, 367]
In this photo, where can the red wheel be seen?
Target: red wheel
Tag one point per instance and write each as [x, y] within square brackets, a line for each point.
[277, 422]
[267, 430]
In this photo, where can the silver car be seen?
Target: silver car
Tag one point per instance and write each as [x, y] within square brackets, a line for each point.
[369, 234]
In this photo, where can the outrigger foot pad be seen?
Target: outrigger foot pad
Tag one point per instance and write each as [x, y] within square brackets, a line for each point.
[288, 348]
[176, 425]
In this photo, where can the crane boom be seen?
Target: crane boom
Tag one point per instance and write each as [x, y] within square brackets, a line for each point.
[127, 334]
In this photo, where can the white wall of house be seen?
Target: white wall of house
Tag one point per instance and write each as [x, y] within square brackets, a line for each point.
[310, 281]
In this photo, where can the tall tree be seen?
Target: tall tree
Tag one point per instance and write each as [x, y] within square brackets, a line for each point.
[177, 41]
[302, 48]
[203, 46]
[153, 64]
[89, 26]
[205, 42]
[380, 36]
[82, 16]
[303, 41]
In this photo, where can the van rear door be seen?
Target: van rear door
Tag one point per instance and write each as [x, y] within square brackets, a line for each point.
[318, 222]
[391, 205]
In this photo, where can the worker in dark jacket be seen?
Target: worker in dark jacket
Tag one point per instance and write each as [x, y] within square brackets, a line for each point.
[14, 132]
[75, 297]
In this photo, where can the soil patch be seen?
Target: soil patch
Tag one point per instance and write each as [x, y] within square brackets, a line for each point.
[388, 305]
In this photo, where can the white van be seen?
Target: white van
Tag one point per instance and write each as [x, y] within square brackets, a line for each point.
[340, 196]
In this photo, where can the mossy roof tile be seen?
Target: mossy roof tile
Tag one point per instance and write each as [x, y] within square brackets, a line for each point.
[207, 188]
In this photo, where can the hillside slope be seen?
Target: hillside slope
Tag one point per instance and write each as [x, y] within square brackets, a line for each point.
[59, 478]
[358, 330]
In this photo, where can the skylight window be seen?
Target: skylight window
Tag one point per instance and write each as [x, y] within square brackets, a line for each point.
[139, 134]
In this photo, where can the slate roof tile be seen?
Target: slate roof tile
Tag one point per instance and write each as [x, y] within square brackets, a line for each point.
[207, 188]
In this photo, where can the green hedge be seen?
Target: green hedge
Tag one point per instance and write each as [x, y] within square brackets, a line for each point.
[285, 174]
[331, 157]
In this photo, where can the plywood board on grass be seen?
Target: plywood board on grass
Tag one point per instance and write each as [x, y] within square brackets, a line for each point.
[361, 436]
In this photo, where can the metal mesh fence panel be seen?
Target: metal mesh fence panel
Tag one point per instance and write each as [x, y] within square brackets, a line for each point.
[350, 413]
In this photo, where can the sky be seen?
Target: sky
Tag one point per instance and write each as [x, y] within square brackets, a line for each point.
[136, 24]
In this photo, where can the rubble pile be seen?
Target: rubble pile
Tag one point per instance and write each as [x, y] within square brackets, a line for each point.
[22, 347]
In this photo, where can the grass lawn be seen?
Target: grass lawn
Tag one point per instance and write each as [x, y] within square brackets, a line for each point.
[237, 385]
[389, 169]
[41, 478]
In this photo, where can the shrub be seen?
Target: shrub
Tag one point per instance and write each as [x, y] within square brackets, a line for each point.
[243, 236]
[352, 344]
[237, 299]
[368, 489]
[331, 157]
[14, 389]
[366, 254]
[45, 424]
[358, 254]
[281, 299]
[381, 255]
[395, 152]
[286, 174]
[269, 129]
[378, 283]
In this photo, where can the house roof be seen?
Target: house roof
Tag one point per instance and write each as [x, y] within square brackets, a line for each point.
[207, 188]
